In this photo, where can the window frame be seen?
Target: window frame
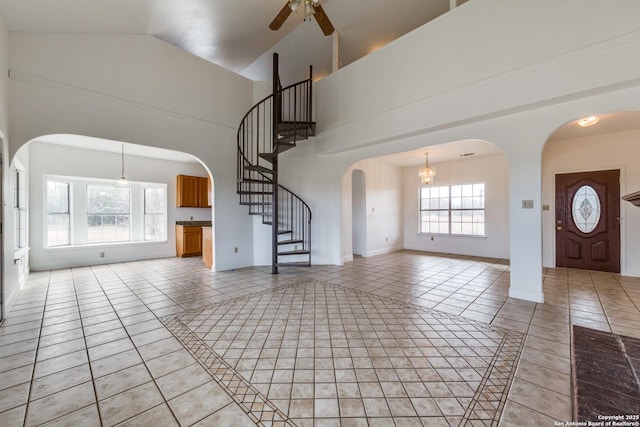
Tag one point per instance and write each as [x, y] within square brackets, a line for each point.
[162, 215]
[20, 208]
[78, 217]
[67, 213]
[449, 211]
[118, 216]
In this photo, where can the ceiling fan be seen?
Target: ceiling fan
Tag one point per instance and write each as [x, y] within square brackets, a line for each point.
[311, 8]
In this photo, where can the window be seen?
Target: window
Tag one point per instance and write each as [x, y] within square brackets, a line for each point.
[20, 205]
[455, 209]
[155, 214]
[58, 215]
[108, 214]
[81, 211]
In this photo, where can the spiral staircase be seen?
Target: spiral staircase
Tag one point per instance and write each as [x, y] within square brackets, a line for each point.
[273, 126]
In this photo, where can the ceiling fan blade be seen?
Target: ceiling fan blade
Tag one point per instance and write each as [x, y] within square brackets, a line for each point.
[323, 21]
[281, 17]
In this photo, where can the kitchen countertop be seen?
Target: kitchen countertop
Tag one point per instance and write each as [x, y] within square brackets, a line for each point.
[195, 223]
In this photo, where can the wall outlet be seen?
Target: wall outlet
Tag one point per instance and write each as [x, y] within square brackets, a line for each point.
[432, 239]
[101, 254]
[235, 249]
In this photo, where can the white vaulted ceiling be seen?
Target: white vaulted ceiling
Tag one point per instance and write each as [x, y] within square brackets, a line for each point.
[231, 33]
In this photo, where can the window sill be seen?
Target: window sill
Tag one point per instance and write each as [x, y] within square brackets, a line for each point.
[19, 254]
[471, 236]
[105, 245]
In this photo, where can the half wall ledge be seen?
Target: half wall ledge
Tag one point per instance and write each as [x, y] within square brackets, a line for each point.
[634, 198]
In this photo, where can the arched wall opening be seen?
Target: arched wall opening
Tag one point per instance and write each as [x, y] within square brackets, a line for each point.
[359, 212]
[393, 200]
[611, 144]
[78, 161]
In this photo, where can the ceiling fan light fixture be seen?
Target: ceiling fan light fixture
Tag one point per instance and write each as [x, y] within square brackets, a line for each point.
[311, 9]
[294, 4]
[308, 9]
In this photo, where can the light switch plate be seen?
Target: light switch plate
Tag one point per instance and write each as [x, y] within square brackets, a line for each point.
[527, 204]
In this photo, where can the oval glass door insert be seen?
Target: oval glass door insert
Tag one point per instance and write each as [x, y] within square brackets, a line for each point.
[586, 209]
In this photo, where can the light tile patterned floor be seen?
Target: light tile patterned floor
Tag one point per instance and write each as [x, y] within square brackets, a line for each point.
[319, 351]
[88, 346]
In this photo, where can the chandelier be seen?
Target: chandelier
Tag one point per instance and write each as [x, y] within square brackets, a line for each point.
[308, 7]
[426, 173]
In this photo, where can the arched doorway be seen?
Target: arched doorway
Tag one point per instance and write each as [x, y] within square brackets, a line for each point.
[586, 171]
[78, 172]
[359, 212]
[395, 212]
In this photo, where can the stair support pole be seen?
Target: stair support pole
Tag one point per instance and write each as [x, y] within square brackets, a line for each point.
[274, 138]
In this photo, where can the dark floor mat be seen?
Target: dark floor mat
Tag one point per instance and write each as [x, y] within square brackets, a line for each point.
[605, 381]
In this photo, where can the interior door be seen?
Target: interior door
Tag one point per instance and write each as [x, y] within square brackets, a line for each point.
[588, 220]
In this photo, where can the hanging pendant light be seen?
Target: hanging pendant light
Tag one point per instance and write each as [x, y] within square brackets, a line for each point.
[122, 182]
[426, 173]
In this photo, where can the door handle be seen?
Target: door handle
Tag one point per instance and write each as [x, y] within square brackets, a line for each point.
[558, 228]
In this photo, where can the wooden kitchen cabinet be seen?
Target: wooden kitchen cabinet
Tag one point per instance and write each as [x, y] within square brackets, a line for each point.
[204, 192]
[193, 192]
[188, 240]
[207, 247]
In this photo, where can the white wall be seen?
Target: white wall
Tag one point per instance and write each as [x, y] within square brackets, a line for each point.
[137, 89]
[4, 80]
[311, 47]
[383, 185]
[493, 171]
[485, 58]
[619, 150]
[51, 159]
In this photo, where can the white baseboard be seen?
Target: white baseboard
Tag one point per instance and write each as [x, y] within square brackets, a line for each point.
[525, 294]
[385, 250]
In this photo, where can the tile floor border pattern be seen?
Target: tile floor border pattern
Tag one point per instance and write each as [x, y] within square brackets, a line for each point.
[485, 407]
[254, 403]
[494, 387]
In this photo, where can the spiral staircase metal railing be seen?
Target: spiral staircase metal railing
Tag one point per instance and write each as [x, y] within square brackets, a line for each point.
[272, 126]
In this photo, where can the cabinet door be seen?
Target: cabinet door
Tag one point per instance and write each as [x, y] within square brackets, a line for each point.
[204, 190]
[207, 247]
[192, 241]
[187, 191]
[188, 241]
